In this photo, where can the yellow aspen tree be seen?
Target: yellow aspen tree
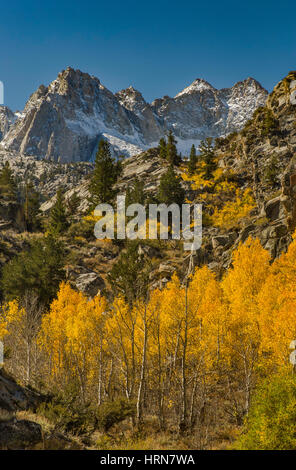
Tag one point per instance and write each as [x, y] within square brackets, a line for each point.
[121, 331]
[71, 335]
[241, 287]
[277, 302]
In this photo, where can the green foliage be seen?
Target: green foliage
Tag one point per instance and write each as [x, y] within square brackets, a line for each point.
[135, 194]
[270, 124]
[271, 424]
[129, 275]
[8, 187]
[192, 160]
[58, 222]
[68, 414]
[105, 175]
[271, 172]
[31, 207]
[207, 155]
[73, 204]
[162, 148]
[82, 228]
[170, 189]
[172, 155]
[114, 412]
[38, 269]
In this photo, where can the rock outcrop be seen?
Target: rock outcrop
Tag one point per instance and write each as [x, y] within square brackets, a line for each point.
[13, 397]
[7, 118]
[65, 120]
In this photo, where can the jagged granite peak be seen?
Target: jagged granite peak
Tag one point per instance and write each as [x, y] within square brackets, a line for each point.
[7, 118]
[200, 110]
[131, 99]
[66, 120]
[198, 85]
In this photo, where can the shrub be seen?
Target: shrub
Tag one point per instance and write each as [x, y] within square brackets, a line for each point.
[271, 424]
[113, 412]
[69, 415]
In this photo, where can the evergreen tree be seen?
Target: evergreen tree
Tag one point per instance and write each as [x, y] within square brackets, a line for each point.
[192, 160]
[162, 148]
[8, 187]
[172, 155]
[39, 270]
[105, 175]
[73, 204]
[135, 194]
[207, 155]
[170, 189]
[130, 274]
[31, 207]
[58, 218]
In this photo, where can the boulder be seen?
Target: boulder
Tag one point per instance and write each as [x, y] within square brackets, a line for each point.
[19, 435]
[274, 209]
[13, 397]
[90, 283]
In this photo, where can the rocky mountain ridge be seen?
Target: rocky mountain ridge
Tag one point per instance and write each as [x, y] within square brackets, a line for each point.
[65, 120]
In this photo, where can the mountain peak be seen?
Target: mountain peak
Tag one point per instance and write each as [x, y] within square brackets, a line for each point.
[131, 99]
[250, 82]
[197, 86]
[68, 118]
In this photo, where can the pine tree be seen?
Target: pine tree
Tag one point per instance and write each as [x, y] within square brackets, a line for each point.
[31, 207]
[73, 204]
[58, 219]
[39, 270]
[8, 187]
[172, 155]
[129, 275]
[207, 155]
[192, 160]
[135, 194]
[105, 175]
[170, 189]
[162, 148]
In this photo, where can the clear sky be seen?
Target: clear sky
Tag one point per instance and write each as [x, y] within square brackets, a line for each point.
[158, 46]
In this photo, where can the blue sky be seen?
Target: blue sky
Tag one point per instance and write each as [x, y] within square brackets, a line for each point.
[159, 47]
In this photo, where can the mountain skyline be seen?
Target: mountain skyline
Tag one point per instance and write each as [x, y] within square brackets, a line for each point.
[67, 119]
[158, 49]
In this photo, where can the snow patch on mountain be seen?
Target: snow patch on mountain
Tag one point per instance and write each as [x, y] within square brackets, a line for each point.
[66, 120]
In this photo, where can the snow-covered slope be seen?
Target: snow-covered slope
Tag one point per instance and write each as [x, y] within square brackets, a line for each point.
[65, 120]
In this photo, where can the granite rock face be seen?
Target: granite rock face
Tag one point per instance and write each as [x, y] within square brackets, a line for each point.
[7, 118]
[65, 121]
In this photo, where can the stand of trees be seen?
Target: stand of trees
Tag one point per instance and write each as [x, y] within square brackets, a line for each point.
[190, 354]
[168, 150]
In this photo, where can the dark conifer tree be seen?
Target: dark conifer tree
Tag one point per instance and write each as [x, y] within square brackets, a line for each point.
[73, 204]
[170, 189]
[207, 155]
[172, 155]
[135, 194]
[105, 175]
[192, 160]
[162, 148]
[31, 207]
[58, 222]
[8, 186]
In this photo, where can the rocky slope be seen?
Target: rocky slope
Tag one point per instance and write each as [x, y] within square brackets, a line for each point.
[263, 157]
[266, 144]
[7, 118]
[67, 119]
[201, 110]
[265, 147]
